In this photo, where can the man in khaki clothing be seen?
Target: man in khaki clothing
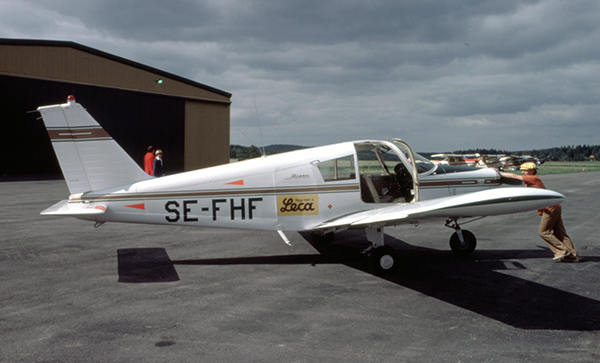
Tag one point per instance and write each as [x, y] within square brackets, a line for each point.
[552, 229]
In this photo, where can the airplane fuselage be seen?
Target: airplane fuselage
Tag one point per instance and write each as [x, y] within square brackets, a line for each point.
[287, 192]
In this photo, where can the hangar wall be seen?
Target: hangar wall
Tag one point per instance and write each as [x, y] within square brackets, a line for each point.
[133, 119]
[199, 137]
[188, 120]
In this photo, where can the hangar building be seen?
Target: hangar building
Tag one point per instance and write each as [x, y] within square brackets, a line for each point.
[136, 104]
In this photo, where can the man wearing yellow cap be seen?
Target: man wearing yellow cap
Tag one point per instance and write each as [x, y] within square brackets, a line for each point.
[552, 229]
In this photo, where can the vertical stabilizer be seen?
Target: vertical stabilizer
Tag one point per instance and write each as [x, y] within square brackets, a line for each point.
[89, 158]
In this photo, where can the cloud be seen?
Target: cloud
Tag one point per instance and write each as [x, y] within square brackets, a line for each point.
[467, 123]
[515, 74]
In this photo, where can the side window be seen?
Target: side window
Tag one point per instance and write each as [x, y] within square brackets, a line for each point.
[338, 169]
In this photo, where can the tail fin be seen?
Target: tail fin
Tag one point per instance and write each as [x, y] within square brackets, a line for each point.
[89, 158]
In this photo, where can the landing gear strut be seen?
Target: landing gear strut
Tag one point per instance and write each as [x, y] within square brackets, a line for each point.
[462, 242]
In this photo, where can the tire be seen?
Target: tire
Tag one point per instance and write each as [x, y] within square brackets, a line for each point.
[383, 261]
[463, 250]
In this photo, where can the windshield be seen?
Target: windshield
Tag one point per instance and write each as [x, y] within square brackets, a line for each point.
[379, 158]
[425, 166]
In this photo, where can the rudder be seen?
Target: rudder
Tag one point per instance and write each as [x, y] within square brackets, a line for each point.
[89, 157]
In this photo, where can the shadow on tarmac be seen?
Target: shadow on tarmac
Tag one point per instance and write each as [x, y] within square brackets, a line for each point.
[472, 283]
[145, 265]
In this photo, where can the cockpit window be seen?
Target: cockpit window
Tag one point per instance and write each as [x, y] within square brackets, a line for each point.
[338, 169]
[423, 165]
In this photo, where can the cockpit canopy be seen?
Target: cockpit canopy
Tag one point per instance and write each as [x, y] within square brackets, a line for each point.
[384, 156]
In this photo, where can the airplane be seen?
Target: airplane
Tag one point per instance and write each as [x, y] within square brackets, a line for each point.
[474, 160]
[512, 162]
[367, 184]
[455, 159]
[490, 161]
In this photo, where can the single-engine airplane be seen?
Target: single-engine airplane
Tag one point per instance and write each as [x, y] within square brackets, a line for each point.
[455, 159]
[323, 190]
[475, 160]
[511, 162]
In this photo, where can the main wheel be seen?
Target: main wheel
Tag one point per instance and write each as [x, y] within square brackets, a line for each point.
[383, 260]
[463, 249]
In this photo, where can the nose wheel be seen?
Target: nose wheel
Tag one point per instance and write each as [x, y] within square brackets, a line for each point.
[462, 242]
[463, 246]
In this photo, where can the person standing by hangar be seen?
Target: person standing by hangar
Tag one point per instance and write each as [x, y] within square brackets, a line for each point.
[158, 169]
[149, 160]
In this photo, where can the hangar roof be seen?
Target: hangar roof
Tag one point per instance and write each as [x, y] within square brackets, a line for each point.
[71, 62]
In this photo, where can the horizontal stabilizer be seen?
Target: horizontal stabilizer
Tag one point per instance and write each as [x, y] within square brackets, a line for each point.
[64, 208]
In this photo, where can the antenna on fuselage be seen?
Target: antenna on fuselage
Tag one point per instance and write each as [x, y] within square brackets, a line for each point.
[262, 141]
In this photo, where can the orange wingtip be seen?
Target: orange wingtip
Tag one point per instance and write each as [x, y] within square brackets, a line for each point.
[137, 206]
[237, 182]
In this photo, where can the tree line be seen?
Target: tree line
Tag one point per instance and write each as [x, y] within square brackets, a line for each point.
[563, 153]
[249, 152]
[244, 152]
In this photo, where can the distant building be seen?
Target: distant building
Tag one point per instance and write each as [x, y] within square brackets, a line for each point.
[137, 105]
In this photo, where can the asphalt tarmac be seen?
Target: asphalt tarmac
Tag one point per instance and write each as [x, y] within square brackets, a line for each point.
[71, 292]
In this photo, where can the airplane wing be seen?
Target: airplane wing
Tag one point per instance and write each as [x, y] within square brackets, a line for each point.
[484, 203]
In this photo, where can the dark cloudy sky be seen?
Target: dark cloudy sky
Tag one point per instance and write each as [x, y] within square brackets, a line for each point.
[442, 75]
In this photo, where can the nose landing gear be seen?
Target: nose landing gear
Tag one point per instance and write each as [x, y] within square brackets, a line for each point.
[462, 242]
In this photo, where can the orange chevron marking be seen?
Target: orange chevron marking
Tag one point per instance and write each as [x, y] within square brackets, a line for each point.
[237, 182]
[141, 206]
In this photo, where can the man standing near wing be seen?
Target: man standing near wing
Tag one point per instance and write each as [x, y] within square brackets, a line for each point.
[552, 229]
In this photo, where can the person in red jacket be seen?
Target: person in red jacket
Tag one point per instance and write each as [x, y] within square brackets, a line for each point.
[149, 160]
[552, 230]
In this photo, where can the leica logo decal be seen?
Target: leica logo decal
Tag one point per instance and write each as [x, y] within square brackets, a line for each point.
[296, 205]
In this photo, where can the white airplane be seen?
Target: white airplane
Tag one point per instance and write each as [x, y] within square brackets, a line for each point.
[323, 190]
[511, 162]
[455, 159]
[473, 160]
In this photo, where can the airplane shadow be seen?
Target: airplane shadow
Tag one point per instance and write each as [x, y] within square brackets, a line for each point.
[145, 265]
[472, 283]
